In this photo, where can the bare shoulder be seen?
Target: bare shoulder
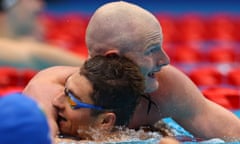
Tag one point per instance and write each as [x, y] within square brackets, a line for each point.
[176, 91]
[58, 70]
[175, 82]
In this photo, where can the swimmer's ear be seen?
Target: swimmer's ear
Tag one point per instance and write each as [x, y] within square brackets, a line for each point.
[107, 120]
[110, 52]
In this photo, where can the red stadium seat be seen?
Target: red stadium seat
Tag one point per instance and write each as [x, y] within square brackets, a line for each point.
[10, 89]
[13, 77]
[221, 28]
[234, 77]
[9, 77]
[191, 28]
[227, 97]
[26, 75]
[206, 76]
[222, 55]
[186, 54]
[168, 27]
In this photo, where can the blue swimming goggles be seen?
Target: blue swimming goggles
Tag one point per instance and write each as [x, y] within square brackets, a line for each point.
[76, 104]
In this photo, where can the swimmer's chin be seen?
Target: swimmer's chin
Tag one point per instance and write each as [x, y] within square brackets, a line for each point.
[151, 85]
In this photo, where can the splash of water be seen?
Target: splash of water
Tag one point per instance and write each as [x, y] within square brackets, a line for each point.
[121, 135]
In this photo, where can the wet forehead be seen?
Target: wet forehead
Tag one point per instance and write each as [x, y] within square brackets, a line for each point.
[80, 86]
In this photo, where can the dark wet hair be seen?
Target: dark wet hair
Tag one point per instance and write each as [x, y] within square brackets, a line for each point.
[117, 83]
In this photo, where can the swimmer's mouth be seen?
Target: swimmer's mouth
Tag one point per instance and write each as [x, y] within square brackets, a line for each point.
[151, 75]
[60, 118]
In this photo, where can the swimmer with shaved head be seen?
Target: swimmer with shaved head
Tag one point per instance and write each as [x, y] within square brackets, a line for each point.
[127, 29]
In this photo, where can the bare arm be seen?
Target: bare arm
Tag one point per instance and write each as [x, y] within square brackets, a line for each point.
[50, 55]
[33, 54]
[45, 86]
[180, 99]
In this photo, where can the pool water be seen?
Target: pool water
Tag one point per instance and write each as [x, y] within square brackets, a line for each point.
[148, 141]
[187, 138]
[181, 134]
[121, 136]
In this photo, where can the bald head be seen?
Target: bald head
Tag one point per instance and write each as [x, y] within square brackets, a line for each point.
[121, 26]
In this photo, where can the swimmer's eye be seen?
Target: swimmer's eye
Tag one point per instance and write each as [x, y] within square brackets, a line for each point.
[152, 49]
[71, 102]
[76, 104]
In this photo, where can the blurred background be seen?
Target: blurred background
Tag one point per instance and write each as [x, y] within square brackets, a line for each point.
[202, 39]
[172, 6]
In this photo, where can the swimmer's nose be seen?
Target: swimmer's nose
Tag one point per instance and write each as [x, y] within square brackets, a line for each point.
[163, 59]
[59, 101]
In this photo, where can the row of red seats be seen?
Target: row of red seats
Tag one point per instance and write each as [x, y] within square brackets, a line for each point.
[214, 53]
[224, 96]
[15, 78]
[68, 30]
[198, 27]
[210, 75]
